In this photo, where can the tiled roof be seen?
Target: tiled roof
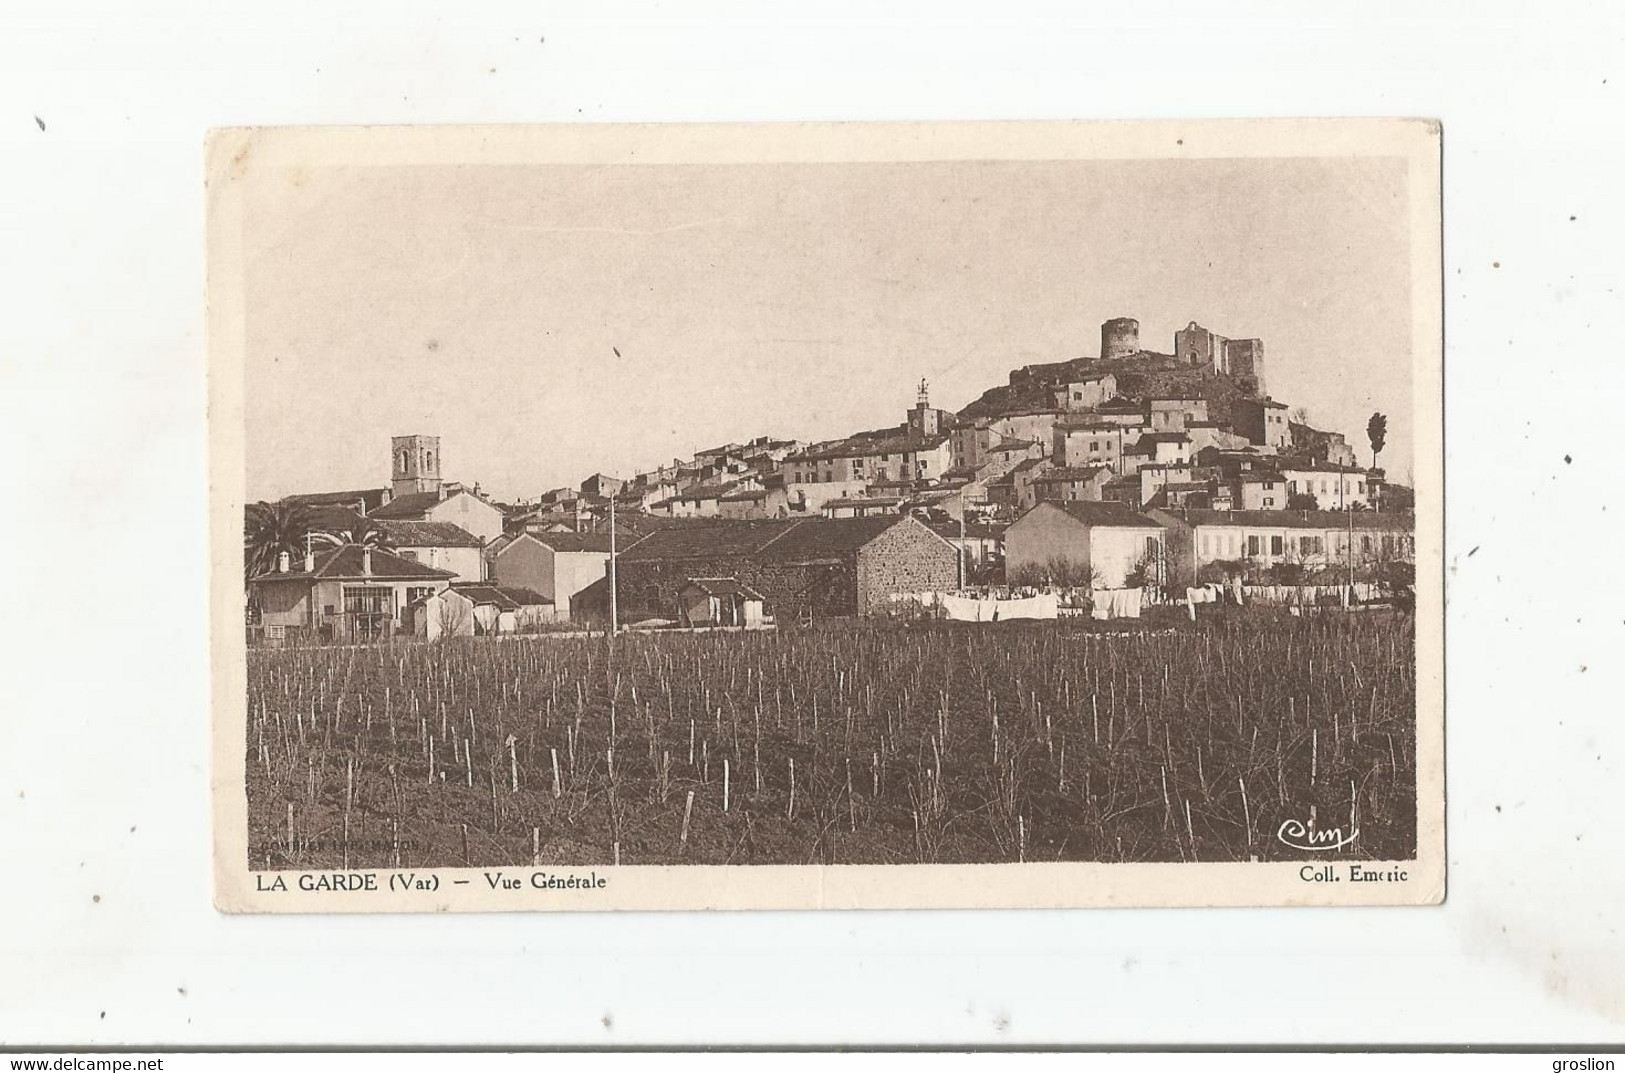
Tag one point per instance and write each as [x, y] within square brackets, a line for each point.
[864, 501]
[1027, 411]
[412, 505]
[1105, 513]
[710, 490]
[493, 549]
[1305, 465]
[884, 441]
[345, 564]
[1087, 421]
[1388, 521]
[416, 504]
[1120, 405]
[368, 498]
[409, 534]
[1012, 443]
[596, 594]
[1071, 473]
[712, 539]
[577, 541]
[818, 539]
[506, 597]
[781, 540]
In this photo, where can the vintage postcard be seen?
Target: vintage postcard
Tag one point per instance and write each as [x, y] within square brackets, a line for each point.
[827, 516]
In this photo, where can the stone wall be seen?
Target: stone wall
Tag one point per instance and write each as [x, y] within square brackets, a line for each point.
[908, 557]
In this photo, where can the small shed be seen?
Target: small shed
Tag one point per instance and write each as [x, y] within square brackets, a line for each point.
[505, 608]
[719, 601]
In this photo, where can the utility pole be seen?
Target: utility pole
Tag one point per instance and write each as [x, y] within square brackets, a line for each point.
[614, 611]
[1349, 510]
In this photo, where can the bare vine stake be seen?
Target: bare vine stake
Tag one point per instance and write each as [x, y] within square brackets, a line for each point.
[468, 761]
[513, 766]
[1246, 812]
[557, 790]
[851, 801]
[465, 842]
[725, 784]
[1188, 831]
[1021, 828]
[688, 809]
[535, 846]
[1354, 809]
[1167, 807]
[789, 815]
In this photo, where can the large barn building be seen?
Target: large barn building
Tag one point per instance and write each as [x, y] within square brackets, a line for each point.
[803, 568]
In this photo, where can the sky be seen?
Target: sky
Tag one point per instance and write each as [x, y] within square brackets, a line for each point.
[552, 321]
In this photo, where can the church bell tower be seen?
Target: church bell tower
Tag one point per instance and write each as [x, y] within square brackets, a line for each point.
[415, 464]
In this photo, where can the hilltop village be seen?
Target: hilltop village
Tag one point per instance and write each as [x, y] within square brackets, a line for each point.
[1135, 470]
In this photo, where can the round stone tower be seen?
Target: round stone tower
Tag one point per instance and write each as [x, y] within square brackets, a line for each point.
[1119, 337]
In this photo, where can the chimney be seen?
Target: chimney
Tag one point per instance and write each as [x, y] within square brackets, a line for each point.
[282, 562]
[366, 561]
[310, 562]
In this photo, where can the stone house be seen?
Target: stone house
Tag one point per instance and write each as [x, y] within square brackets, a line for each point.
[1263, 422]
[1071, 483]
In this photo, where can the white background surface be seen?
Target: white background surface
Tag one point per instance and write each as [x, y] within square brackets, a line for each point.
[104, 728]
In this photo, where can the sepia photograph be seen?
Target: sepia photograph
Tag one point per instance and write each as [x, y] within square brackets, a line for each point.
[800, 516]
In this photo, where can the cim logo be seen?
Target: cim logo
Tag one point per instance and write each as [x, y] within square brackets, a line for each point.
[1304, 836]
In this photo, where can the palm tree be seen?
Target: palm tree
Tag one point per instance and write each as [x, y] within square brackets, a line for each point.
[1377, 430]
[270, 529]
[365, 533]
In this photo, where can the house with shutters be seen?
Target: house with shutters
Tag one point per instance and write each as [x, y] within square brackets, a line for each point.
[1261, 539]
[350, 593]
